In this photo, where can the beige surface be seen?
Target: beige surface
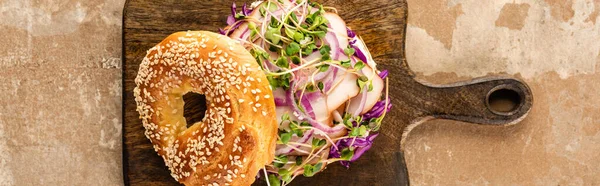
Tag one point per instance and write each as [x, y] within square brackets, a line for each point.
[554, 45]
[60, 111]
[60, 114]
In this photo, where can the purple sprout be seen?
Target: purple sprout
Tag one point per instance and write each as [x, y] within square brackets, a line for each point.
[359, 54]
[383, 74]
[351, 33]
[233, 9]
[245, 10]
[230, 20]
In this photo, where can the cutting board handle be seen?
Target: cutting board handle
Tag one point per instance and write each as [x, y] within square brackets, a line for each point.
[489, 101]
[486, 101]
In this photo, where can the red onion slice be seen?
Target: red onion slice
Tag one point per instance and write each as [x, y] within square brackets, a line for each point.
[334, 44]
[322, 127]
[363, 100]
[305, 103]
[330, 80]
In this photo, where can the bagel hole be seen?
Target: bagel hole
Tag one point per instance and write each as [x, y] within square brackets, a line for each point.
[504, 101]
[194, 108]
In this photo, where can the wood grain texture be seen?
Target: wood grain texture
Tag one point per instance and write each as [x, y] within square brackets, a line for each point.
[381, 24]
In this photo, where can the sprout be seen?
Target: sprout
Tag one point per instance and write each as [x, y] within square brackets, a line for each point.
[290, 42]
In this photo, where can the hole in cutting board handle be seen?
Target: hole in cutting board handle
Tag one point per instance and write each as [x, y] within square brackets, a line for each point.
[504, 100]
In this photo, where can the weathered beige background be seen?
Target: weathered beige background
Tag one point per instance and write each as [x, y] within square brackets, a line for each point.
[60, 83]
[554, 45]
[60, 87]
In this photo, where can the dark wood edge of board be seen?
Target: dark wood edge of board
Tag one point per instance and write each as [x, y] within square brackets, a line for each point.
[124, 155]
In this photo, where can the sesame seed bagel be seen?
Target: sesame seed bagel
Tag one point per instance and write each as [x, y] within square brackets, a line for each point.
[237, 135]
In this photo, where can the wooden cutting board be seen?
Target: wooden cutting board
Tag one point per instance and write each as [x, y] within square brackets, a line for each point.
[382, 25]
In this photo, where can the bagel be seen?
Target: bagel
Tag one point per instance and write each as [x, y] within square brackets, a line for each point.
[237, 136]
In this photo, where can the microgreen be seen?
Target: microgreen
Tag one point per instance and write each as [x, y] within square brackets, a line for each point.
[349, 51]
[358, 131]
[347, 153]
[310, 88]
[285, 137]
[294, 18]
[308, 49]
[346, 120]
[271, 35]
[320, 34]
[273, 48]
[295, 129]
[239, 16]
[298, 160]
[280, 161]
[295, 60]
[345, 64]
[362, 130]
[325, 50]
[292, 49]
[359, 65]
[274, 23]
[304, 124]
[285, 174]
[354, 132]
[310, 170]
[285, 117]
[273, 180]
[282, 81]
[323, 68]
[316, 143]
[320, 86]
[289, 32]
[298, 36]
[361, 81]
[282, 61]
